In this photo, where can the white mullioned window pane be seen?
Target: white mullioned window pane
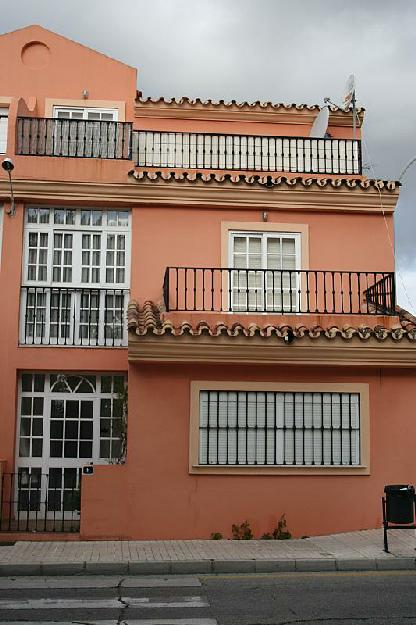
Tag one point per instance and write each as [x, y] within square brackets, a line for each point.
[77, 261]
[274, 282]
[279, 428]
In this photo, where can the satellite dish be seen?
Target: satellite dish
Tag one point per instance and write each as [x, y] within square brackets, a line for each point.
[320, 124]
[349, 93]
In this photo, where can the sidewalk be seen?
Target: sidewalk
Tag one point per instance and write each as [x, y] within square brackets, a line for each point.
[342, 552]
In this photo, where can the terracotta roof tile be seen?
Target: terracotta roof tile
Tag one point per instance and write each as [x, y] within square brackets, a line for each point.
[185, 102]
[149, 319]
[268, 180]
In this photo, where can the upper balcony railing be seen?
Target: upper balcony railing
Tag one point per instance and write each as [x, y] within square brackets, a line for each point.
[37, 136]
[279, 291]
[76, 138]
[248, 152]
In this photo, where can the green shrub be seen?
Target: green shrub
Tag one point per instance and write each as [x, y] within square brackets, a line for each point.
[242, 532]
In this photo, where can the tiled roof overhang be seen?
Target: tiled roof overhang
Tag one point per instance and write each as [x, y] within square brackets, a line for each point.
[269, 191]
[152, 336]
[254, 111]
[267, 180]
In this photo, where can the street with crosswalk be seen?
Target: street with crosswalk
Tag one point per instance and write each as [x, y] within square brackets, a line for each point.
[103, 601]
[344, 598]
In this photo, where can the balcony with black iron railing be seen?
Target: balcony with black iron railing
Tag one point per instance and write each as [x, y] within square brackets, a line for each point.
[279, 291]
[73, 138]
[73, 317]
[247, 152]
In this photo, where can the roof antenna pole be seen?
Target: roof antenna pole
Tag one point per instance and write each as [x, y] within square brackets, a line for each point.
[354, 113]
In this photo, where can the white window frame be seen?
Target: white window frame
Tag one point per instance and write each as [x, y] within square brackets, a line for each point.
[363, 468]
[47, 462]
[85, 110]
[264, 236]
[4, 128]
[77, 230]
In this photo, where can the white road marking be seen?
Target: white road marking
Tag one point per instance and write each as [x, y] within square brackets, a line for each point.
[171, 602]
[152, 621]
[87, 604]
[92, 581]
[58, 604]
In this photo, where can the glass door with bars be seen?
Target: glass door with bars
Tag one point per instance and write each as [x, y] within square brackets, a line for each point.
[265, 276]
[65, 421]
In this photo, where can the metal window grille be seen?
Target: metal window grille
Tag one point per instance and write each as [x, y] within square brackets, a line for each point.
[279, 428]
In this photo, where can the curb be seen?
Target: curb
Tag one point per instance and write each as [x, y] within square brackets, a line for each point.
[204, 567]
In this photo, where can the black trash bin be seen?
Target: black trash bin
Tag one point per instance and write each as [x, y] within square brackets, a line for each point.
[400, 503]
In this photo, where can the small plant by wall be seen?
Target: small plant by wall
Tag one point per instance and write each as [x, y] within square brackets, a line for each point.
[281, 532]
[242, 531]
[216, 536]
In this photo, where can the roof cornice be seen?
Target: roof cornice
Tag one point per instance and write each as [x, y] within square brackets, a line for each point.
[257, 350]
[272, 192]
[153, 337]
[187, 108]
[195, 190]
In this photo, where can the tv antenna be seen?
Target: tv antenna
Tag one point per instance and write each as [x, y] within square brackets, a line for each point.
[347, 101]
[320, 125]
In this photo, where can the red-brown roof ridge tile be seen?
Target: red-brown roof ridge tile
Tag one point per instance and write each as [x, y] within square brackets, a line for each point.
[269, 180]
[186, 101]
[150, 319]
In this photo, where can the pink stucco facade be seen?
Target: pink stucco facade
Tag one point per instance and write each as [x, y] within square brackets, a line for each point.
[158, 490]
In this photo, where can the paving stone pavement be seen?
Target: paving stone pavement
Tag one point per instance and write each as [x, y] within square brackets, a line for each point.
[348, 551]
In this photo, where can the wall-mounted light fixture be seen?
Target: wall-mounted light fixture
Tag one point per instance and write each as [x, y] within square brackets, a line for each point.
[85, 94]
[265, 216]
[8, 166]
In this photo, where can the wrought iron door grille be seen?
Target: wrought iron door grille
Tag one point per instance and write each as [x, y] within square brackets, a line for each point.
[31, 501]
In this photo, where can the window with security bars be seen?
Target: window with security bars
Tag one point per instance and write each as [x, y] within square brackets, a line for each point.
[265, 276]
[279, 428]
[75, 276]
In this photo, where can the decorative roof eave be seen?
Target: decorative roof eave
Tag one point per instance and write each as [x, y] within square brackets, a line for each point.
[267, 191]
[258, 350]
[152, 337]
[187, 108]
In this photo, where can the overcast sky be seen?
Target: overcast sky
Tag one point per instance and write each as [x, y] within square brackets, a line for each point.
[283, 51]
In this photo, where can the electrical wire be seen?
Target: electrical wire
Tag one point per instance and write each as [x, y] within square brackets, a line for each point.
[400, 275]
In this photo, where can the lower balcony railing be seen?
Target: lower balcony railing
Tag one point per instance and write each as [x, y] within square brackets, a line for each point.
[278, 291]
[73, 316]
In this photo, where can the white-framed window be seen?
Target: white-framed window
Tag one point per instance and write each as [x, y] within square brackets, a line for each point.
[279, 428]
[4, 125]
[77, 247]
[269, 276]
[85, 113]
[78, 262]
[66, 420]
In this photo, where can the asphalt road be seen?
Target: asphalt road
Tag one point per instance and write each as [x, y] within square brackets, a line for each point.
[376, 598]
